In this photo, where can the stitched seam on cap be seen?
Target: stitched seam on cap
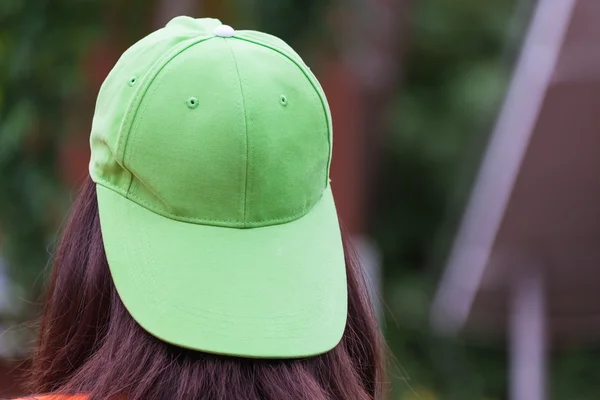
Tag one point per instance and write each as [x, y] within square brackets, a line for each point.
[135, 124]
[138, 97]
[205, 221]
[110, 186]
[232, 223]
[317, 89]
[246, 133]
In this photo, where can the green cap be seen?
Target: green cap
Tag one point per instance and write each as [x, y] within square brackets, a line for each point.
[210, 152]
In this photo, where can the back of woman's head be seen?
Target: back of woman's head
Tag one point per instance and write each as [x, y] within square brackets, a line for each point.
[203, 258]
[89, 343]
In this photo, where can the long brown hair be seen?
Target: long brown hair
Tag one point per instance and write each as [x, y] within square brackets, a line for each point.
[88, 343]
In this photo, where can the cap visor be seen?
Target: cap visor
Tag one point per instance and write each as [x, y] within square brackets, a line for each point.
[271, 292]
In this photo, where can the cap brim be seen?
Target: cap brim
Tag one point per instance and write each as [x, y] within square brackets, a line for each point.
[271, 292]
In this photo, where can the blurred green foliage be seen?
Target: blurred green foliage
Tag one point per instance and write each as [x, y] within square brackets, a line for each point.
[41, 43]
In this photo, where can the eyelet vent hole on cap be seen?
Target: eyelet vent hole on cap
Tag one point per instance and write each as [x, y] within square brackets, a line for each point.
[283, 100]
[132, 80]
[192, 102]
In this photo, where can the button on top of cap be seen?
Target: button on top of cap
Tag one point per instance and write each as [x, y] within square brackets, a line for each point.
[224, 31]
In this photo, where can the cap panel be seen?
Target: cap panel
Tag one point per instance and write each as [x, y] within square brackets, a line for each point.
[288, 146]
[264, 39]
[278, 45]
[187, 146]
[118, 91]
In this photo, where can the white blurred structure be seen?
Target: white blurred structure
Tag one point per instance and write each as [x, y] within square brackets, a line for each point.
[526, 261]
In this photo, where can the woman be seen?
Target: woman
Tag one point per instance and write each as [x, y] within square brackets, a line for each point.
[203, 258]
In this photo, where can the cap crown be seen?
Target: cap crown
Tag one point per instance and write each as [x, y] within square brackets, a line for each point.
[231, 132]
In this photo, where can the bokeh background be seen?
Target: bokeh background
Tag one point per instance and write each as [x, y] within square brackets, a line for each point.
[415, 88]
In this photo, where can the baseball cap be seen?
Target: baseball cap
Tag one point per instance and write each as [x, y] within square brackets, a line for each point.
[210, 150]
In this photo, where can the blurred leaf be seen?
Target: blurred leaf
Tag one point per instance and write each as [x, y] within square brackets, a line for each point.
[41, 44]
